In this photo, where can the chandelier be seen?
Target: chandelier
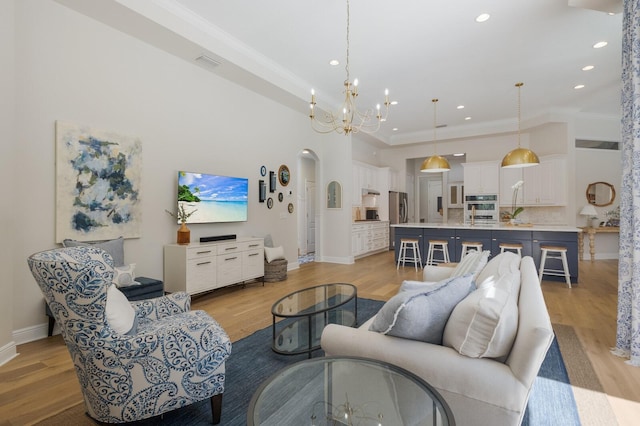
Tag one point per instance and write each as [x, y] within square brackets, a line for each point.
[349, 119]
[520, 157]
[436, 163]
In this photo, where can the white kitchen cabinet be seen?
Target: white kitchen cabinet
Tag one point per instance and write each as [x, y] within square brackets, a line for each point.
[546, 184]
[200, 267]
[481, 178]
[358, 239]
[508, 178]
[369, 237]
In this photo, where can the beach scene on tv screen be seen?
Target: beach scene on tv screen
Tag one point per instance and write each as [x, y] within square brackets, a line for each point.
[214, 198]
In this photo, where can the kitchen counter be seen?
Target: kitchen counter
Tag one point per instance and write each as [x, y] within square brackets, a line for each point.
[531, 238]
[499, 226]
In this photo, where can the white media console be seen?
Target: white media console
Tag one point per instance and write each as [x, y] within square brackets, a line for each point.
[199, 267]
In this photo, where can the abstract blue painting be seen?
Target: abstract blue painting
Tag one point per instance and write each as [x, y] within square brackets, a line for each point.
[97, 184]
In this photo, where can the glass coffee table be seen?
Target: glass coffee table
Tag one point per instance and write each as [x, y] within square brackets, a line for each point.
[306, 312]
[347, 391]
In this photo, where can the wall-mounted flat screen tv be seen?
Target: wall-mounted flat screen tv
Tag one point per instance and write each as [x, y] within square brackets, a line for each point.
[213, 198]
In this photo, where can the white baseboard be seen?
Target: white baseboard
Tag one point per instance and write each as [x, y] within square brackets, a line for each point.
[606, 256]
[8, 352]
[342, 260]
[30, 334]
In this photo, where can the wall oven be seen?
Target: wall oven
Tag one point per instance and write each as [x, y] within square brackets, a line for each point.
[481, 209]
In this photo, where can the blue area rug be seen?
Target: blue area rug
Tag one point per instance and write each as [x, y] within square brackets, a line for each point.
[252, 361]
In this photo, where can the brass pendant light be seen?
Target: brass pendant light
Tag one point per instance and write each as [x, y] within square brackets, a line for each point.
[520, 157]
[435, 163]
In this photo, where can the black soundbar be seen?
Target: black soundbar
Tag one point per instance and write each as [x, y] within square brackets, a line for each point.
[217, 238]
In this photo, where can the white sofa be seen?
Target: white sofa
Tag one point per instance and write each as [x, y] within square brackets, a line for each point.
[479, 390]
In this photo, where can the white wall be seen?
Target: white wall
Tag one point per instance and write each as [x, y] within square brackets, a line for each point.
[72, 68]
[11, 203]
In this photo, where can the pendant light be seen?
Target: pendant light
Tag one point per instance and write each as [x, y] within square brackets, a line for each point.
[520, 157]
[435, 163]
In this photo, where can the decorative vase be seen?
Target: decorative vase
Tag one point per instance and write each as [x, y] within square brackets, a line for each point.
[184, 234]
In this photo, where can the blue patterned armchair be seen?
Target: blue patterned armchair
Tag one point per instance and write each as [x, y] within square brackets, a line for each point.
[175, 358]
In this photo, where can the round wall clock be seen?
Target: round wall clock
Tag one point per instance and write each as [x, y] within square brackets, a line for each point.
[263, 171]
[269, 202]
[280, 197]
[283, 175]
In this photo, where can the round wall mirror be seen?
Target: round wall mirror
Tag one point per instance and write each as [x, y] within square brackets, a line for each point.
[334, 195]
[601, 194]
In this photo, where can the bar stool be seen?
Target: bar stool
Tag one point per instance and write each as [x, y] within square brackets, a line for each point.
[441, 246]
[411, 244]
[466, 245]
[554, 252]
[517, 247]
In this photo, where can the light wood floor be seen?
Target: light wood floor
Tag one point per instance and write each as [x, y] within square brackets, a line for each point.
[41, 382]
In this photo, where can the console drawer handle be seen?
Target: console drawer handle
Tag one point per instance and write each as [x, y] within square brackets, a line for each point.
[231, 248]
[203, 252]
[254, 245]
[203, 263]
[231, 258]
[254, 254]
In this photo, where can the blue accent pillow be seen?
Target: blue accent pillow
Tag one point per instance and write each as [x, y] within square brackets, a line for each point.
[422, 314]
[114, 247]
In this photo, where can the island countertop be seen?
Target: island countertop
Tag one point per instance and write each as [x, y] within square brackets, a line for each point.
[500, 226]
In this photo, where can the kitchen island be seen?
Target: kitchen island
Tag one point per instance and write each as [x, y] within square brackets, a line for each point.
[491, 236]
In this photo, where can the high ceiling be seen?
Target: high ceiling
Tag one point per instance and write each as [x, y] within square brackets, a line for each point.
[417, 49]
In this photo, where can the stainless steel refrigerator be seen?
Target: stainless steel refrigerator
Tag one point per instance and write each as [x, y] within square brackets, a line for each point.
[398, 213]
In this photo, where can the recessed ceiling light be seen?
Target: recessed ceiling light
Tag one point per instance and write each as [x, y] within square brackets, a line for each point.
[460, 107]
[467, 118]
[579, 86]
[600, 44]
[394, 102]
[460, 154]
[483, 17]
[334, 62]
[395, 129]
[588, 68]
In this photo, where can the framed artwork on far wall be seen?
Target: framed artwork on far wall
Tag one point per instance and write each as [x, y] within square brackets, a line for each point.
[262, 191]
[272, 181]
[98, 183]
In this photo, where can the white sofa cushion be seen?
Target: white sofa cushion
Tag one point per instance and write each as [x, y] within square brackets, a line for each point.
[485, 323]
[472, 263]
[499, 265]
[422, 314]
[120, 314]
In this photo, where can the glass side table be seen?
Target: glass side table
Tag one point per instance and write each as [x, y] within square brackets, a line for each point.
[309, 311]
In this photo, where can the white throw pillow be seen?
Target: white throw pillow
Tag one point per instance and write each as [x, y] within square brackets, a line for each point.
[124, 276]
[422, 314]
[120, 314]
[273, 253]
[485, 323]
